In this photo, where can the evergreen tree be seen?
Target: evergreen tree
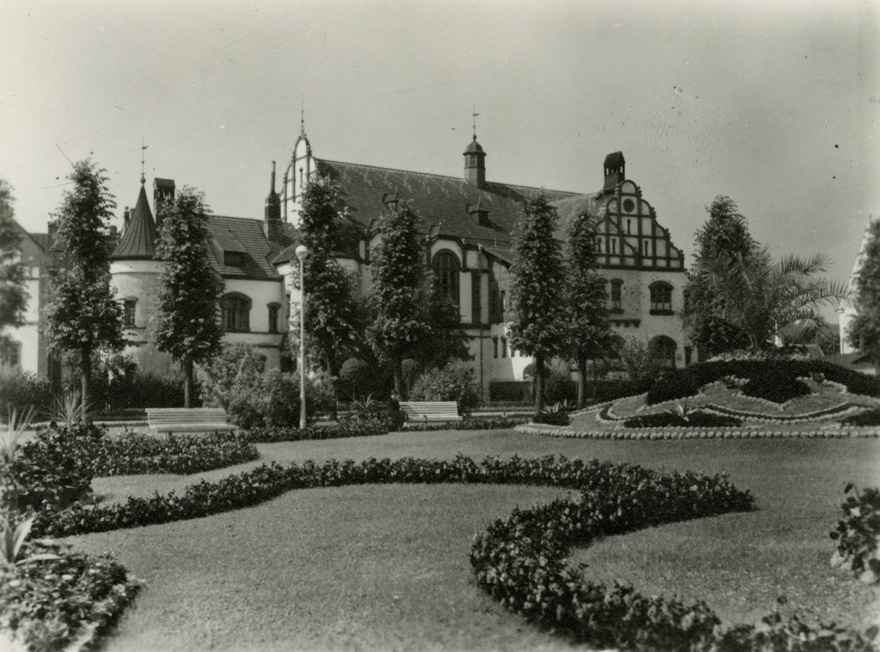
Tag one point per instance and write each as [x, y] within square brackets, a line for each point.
[722, 241]
[333, 319]
[397, 300]
[864, 331]
[186, 324]
[13, 296]
[589, 329]
[82, 313]
[537, 290]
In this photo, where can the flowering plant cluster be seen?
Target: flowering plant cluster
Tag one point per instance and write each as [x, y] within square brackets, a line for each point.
[858, 535]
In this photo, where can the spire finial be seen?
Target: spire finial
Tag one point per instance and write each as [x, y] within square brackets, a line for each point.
[302, 115]
[143, 149]
[475, 114]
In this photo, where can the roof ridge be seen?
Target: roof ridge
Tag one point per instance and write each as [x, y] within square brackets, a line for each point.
[448, 176]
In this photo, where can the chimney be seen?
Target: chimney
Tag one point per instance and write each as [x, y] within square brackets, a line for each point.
[163, 194]
[126, 218]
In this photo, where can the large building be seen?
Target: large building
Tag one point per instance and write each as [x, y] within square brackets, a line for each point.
[466, 224]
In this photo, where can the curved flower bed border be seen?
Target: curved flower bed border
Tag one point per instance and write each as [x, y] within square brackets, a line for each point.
[676, 432]
[605, 414]
[521, 561]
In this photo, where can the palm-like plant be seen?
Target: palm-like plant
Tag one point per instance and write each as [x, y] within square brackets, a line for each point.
[759, 296]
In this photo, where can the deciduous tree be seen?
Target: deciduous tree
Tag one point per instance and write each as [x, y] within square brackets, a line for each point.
[589, 329]
[397, 297]
[13, 296]
[864, 331]
[537, 295]
[186, 323]
[82, 314]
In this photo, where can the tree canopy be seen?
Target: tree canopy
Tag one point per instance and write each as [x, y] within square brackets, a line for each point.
[186, 323]
[537, 295]
[82, 313]
[13, 296]
[864, 331]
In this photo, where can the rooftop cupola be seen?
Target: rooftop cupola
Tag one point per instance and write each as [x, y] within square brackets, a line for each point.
[615, 168]
[475, 164]
[163, 194]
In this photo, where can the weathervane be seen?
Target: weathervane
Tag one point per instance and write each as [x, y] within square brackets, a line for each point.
[475, 114]
[143, 148]
[302, 115]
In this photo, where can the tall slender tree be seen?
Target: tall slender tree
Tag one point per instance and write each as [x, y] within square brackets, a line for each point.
[397, 300]
[722, 242]
[537, 291]
[186, 324]
[333, 319]
[864, 331]
[13, 296]
[82, 313]
[589, 328]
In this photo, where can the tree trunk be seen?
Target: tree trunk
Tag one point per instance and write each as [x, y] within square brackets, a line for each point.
[85, 366]
[582, 382]
[398, 378]
[187, 382]
[539, 384]
[334, 389]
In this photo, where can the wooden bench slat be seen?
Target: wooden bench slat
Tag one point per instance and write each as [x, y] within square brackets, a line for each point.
[430, 411]
[187, 419]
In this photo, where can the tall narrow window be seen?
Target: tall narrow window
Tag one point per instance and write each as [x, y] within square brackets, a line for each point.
[273, 317]
[236, 310]
[503, 347]
[10, 354]
[445, 267]
[616, 295]
[128, 312]
[494, 347]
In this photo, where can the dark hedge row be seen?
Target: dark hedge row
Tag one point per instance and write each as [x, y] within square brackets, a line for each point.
[772, 380]
[520, 561]
[867, 418]
[49, 605]
[695, 419]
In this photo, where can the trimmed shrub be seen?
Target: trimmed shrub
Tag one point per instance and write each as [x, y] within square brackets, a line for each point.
[670, 386]
[867, 418]
[69, 601]
[775, 383]
[450, 383]
[695, 419]
[858, 535]
[20, 389]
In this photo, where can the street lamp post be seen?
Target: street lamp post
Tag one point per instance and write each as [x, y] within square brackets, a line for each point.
[301, 253]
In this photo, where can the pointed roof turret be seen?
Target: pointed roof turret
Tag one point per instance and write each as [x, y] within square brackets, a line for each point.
[139, 239]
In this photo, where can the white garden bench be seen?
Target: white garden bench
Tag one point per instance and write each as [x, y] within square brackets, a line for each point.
[429, 411]
[187, 419]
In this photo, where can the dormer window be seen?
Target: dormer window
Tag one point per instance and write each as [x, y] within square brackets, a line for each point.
[233, 258]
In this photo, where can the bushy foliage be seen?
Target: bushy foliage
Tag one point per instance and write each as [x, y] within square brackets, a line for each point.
[864, 331]
[694, 419]
[774, 384]
[858, 535]
[19, 389]
[359, 379]
[13, 295]
[677, 384]
[68, 601]
[449, 383]
[555, 415]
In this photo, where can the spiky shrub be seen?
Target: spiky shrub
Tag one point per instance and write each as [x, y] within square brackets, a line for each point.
[858, 534]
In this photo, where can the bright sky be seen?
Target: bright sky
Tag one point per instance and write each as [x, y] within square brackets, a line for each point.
[772, 103]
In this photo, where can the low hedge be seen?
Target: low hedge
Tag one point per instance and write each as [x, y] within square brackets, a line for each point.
[696, 419]
[867, 418]
[683, 382]
[62, 603]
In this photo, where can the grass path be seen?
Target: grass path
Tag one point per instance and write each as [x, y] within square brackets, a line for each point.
[381, 568]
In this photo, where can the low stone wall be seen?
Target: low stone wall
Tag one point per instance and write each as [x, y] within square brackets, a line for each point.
[697, 433]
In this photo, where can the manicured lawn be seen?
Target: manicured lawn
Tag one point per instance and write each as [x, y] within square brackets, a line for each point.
[379, 568]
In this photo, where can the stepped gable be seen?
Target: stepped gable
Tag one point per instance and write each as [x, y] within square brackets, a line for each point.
[243, 236]
[138, 242]
[441, 201]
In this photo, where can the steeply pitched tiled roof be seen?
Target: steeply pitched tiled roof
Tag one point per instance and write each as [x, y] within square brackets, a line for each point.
[139, 239]
[571, 208]
[441, 201]
[244, 236]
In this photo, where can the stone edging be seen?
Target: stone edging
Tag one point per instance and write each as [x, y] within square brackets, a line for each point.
[672, 432]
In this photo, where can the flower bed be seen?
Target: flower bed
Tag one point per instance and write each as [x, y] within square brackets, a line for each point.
[678, 432]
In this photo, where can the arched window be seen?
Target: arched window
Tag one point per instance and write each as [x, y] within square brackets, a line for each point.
[662, 350]
[445, 266]
[128, 312]
[661, 298]
[616, 295]
[273, 317]
[236, 311]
